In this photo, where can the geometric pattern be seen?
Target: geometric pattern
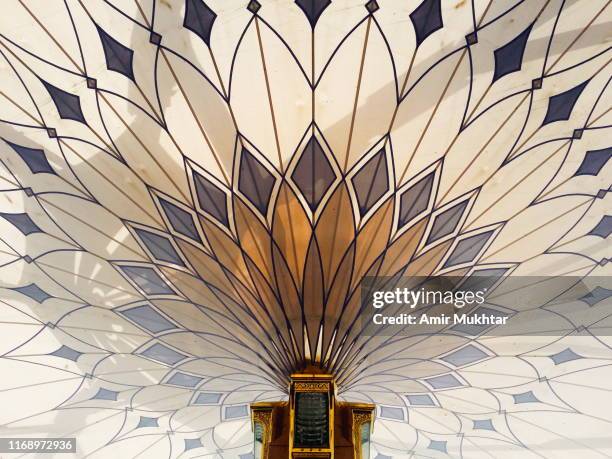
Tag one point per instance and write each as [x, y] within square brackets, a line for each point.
[34, 158]
[193, 193]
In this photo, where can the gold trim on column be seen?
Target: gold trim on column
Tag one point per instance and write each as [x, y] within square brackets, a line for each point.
[262, 413]
[278, 439]
[362, 414]
[311, 387]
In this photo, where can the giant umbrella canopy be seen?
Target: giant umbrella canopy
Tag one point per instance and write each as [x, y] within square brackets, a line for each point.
[193, 194]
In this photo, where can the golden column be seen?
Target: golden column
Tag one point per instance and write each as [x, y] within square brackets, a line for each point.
[312, 424]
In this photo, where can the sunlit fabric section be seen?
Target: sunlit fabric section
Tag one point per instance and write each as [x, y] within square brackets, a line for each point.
[192, 193]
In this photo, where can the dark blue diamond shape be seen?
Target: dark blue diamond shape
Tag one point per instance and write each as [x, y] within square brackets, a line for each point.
[560, 106]
[199, 18]
[255, 181]
[66, 352]
[180, 220]
[437, 445]
[148, 280]
[596, 295]
[594, 161]
[415, 199]
[34, 292]
[567, 355]
[146, 421]
[106, 394]
[34, 158]
[191, 443]
[525, 397]
[603, 228]
[313, 9]
[371, 182]
[483, 424]
[147, 317]
[426, 19]
[509, 58]
[118, 57]
[160, 247]
[313, 173]
[212, 199]
[68, 105]
[446, 222]
[22, 222]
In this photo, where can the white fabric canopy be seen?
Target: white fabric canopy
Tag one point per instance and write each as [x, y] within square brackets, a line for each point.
[193, 192]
